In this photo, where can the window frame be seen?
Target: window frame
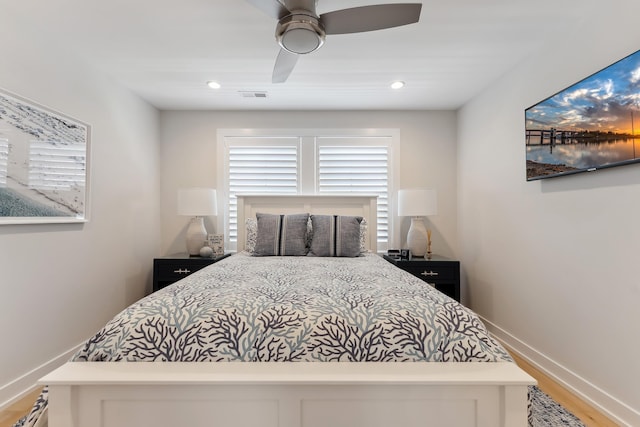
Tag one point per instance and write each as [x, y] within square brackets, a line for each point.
[308, 166]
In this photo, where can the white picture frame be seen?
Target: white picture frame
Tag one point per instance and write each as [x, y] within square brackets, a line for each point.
[44, 164]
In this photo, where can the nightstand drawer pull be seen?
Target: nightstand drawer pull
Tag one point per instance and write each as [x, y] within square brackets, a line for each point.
[429, 273]
[182, 271]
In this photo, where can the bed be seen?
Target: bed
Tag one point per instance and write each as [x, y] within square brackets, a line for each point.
[325, 335]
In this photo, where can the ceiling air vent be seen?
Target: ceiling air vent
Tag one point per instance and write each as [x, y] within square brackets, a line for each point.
[253, 94]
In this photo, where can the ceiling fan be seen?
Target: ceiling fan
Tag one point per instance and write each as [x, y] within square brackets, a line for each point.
[300, 30]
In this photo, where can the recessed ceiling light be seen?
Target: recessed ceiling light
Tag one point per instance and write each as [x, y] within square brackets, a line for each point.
[397, 85]
[213, 85]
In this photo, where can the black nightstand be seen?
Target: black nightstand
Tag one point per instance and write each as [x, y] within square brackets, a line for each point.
[170, 269]
[440, 272]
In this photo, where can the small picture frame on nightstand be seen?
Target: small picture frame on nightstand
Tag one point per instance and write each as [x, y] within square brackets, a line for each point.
[216, 242]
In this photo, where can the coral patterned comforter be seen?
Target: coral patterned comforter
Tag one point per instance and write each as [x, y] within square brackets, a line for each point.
[289, 309]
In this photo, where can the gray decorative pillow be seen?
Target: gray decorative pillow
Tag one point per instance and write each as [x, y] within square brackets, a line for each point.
[335, 235]
[283, 235]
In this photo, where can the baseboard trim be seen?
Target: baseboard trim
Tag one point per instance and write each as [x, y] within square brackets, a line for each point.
[21, 386]
[608, 405]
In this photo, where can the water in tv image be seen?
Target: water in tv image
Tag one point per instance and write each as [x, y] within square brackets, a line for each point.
[590, 125]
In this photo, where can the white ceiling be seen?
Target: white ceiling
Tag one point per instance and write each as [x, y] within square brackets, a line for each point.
[166, 50]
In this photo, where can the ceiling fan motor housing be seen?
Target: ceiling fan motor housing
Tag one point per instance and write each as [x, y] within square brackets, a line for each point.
[300, 32]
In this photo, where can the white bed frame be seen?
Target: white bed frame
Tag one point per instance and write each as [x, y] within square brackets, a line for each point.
[108, 394]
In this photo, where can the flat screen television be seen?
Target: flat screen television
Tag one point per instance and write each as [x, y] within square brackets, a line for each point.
[588, 126]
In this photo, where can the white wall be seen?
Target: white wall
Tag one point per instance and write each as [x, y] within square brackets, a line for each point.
[555, 262]
[60, 283]
[549, 262]
[427, 157]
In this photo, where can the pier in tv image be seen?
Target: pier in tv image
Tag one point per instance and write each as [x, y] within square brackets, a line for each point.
[587, 126]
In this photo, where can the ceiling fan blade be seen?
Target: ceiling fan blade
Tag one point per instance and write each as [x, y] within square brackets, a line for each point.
[285, 62]
[273, 8]
[370, 18]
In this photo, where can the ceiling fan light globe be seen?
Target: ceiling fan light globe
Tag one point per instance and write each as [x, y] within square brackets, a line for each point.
[300, 40]
[300, 33]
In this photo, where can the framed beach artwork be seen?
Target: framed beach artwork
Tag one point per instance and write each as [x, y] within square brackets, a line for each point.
[44, 164]
[588, 126]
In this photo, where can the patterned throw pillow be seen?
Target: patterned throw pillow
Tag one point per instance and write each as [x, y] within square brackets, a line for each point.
[283, 235]
[363, 235]
[335, 235]
[252, 234]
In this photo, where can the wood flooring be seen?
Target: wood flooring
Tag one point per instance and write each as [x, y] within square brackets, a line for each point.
[588, 415]
[19, 409]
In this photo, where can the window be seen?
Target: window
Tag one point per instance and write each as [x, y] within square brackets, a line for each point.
[363, 169]
[331, 162]
[258, 166]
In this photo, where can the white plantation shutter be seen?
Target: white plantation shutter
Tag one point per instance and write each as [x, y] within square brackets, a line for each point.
[260, 169]
[357, 169]
[309, 162]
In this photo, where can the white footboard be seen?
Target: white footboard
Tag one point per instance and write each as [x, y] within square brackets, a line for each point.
[104, 394]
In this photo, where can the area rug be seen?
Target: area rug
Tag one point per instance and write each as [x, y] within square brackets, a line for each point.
[546, 412]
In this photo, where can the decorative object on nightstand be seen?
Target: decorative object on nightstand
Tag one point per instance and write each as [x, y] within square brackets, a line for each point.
[417, 203]
[197, 203]
[206, 252]
[440, 272]
[170, 269]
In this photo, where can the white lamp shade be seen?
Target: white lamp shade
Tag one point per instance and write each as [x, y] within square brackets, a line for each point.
[197, 202]
[417, 202]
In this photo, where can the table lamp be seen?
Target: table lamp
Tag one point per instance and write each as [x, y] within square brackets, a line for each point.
[417, 203]
[197, 203]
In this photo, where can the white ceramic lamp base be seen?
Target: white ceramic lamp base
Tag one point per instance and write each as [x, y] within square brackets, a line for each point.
[196, 235]
[417, 237]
